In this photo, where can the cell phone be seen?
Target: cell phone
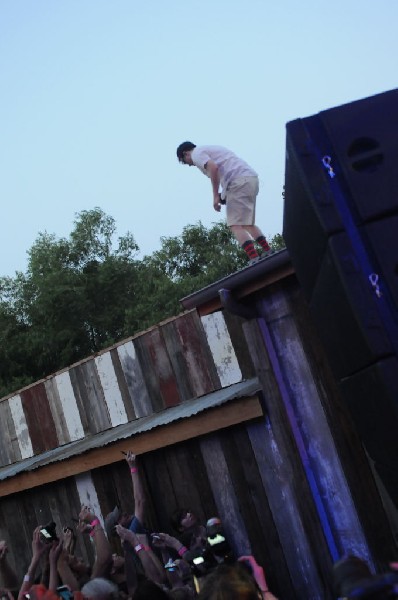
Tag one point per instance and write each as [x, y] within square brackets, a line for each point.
[198, 560]
[170, 566]
[64, 592]
[47, 535]
[217, 539]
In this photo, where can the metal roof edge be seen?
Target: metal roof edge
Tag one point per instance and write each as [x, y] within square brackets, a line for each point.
[238, 279]
[167, 416]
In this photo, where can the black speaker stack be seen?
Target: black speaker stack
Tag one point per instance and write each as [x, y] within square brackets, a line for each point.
[341, 230]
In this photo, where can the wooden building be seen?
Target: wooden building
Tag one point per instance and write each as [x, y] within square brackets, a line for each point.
[235, 413]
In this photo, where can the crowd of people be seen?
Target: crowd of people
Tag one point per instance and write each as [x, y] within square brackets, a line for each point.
[195, 563]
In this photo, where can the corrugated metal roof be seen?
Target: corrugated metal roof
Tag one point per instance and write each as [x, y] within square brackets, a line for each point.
[170, 415]
[238, 280]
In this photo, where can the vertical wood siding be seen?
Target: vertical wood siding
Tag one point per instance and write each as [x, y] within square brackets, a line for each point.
[39, 419]
[21, 426]
[134, 378]
[222, 349]
[68, 406]
[178, 360]
[112, 394]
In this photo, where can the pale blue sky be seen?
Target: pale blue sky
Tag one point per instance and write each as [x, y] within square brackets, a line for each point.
[96, 95]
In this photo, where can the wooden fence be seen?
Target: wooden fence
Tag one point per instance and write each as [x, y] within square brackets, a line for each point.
[290, 482]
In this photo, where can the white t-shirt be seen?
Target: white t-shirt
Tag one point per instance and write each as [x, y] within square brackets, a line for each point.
[229, 165]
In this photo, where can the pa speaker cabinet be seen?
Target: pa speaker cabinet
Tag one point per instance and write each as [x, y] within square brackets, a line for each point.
[310, 212]
[371, 396]
[364, 141]
[345, 311]
[382, 240]
[360, 141]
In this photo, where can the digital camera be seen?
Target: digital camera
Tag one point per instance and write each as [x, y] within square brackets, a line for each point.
[48, 533]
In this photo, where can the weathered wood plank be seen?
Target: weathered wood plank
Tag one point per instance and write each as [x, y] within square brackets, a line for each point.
[69, 407]
[158, 373]
[222, 349]
[136, 385]
[88, 494]
[40, 422]
[315, 433]
[284, 481]
[190, 356]
[9, 448]
[162, 489]
[112, 395]
[90, 397]
[255, 509]
[224, 495]
[56, 411]
[21, 427]
[234, 325]
[122, 384]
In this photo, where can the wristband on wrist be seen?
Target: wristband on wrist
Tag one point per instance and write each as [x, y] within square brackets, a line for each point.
[93, 526]
[182, 550]
[138, 548]
[26, 577]
[133, 470]
[94, 522]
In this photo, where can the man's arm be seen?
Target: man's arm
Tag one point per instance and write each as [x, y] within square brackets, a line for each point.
[103, 553]
[39, 548]
[8, 577]
[152, 566]
[139, 495]
[214, 175]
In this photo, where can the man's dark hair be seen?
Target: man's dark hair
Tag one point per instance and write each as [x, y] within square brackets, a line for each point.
[178, 514]
[184, 147]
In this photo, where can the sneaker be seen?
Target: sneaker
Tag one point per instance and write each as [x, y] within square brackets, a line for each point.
[267, 253]
[252, 261]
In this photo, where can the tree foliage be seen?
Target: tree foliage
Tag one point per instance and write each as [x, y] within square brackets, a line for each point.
[84, 293]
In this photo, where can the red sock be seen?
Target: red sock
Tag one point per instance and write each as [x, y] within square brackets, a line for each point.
[263, 242]
[249, 248]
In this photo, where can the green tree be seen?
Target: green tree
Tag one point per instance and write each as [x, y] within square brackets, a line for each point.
[86, 292]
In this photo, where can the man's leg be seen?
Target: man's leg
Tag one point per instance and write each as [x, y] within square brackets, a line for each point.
[258, 235]
[244, 239]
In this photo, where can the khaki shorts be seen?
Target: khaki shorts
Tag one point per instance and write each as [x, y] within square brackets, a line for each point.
[241, 201]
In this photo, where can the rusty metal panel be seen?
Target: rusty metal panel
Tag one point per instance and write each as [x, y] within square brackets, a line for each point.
[90, 397]
[222, 349]
[157, 370]
[135, 382]
[190, 356]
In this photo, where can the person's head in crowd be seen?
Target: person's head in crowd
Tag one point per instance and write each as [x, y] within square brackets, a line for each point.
[116, 517]
[229, 581]
[80, 568]
[183, 519]
[100, 589]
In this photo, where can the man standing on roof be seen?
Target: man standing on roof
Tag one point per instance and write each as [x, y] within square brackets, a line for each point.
[239, 189]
